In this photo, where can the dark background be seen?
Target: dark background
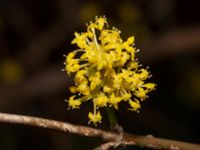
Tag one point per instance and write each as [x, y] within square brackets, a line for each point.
[34, 34]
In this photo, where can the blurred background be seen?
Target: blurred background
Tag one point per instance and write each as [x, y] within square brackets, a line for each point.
[35, 34]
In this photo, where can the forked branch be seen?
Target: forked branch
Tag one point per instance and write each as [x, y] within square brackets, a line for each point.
[107, 136]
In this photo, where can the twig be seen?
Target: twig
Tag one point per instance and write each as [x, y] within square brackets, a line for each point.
[36, 85]
[114, 144]
[177, 41]
[145, 141]
[160, 143]
[57, 125]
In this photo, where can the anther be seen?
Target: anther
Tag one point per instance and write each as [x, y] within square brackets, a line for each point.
[150, 76]
[138, 50]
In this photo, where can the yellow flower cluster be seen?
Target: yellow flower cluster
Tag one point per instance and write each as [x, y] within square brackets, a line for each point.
[106, 71]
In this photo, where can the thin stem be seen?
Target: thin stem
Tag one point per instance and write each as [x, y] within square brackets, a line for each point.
[94, 108]
[95, 40]
[144, 141]
[111, 117]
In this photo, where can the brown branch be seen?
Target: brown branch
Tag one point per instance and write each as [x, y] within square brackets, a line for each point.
[181, 40]
[114, 144]
[159, 143]
[145, 141]
[57, 125]
[36, 85]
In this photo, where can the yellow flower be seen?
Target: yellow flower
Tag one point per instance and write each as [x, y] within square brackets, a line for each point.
[141, 93]
[70, 57]
[73, 89]
[101, 100]
[126, 96]
[73, 103]
[80, 76]
[124, 58]
[143, 74]
[95, 80]
[135, 105]
[100, 22]
[107, 89]
[113, 100]
[72, 66]
[94, 118]
[105, 68]
[150, 86]
[128, 46]
[80, 40]
[83, 88]
[117, 80]
[132, 65]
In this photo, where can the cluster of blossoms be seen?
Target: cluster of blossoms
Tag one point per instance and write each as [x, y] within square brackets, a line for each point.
[106, 71]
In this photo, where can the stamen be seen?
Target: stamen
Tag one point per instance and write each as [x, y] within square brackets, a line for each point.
[79, 50]
[88, 42]
[84, 65]
[95, 40]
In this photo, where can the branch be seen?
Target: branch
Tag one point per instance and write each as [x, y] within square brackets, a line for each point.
[145, 141]
[181, 40]
[57, 125]
[36, 85]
